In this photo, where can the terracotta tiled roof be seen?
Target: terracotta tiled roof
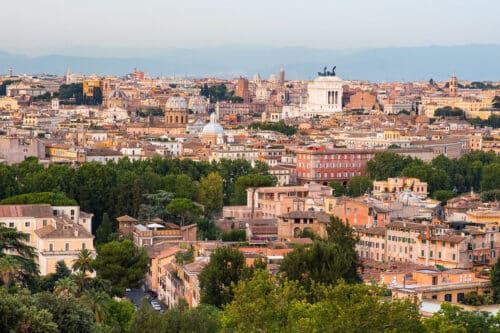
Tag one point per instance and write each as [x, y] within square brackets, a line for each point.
[63, 231]
[37, 211]
[126, 218]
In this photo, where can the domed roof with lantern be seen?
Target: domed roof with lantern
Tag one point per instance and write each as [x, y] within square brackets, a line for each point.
[213, 127]
[176, 103]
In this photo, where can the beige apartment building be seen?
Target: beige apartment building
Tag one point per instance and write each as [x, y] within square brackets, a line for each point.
[56, 232]
[394, 186]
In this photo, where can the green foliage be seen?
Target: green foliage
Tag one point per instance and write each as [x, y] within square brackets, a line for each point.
[179, 319]
[219, 93]
[68, 313]
[184, 210]
[8, 184]
[50, 198]
[21, 313]
[491, 177]
[185, 257]
[211, 194]
[277, 127]
[435, 178]
[338, 189]
[239, 196]
[474, 299]
[443, 195]
[48, 282]
[263, 304]
[84, 262]
[386, 164]
[122, 263]
[495, 282]
[71, 93]
[451, 318]
[325, 261]
[104, 231]
[225, 268]
[493, 120]
[491, 195]
[120, 314]
[234, 235]
[448, 111]
[17, 258]
[136, 188]
[359, 185]
[206, 229]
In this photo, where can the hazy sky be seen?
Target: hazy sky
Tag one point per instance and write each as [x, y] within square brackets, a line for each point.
[56, 25]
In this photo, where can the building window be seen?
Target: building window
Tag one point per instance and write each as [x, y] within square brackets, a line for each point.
[44, 222]
[84, 246]
[447, 298]
[11, 225]
[66, 247]
[27, 224]
[51, 247]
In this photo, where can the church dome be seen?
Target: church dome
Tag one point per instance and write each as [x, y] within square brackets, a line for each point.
[213, 129]
[176, 103]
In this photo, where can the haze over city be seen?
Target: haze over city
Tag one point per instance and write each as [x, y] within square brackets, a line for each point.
[250, 166]
[376, 40]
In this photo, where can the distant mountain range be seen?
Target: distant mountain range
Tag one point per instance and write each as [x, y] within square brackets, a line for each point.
[471, 62]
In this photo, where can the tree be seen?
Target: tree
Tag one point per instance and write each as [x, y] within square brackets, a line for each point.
[451, 318]
[120, 313]
[491, 195]
[68, 313]
[122, 263]
[185, 187]
[448, 111]
[443, 195]
[104, 231]
[491, 177]
[495, 282]
[280, 127]
[210, 193]
[9, 270]
[224, 269]
[387, 164]
[97, 302]
[206, 229]
[48, 282]
[184, 209]
[338, 189]
[65, 287]
[20, 313]
[265, 304]
[84, 262]
[262, 304]
[325, 261]
[18, 258]
[8, 183]
[359, 185]
[436, 179]
[242, 183]
[234, 235]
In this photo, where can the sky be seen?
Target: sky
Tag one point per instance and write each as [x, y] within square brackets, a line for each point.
[56, 26]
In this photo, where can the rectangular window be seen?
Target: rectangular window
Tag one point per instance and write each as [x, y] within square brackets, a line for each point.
[11, 225]
[447, 298]
[66, 246]
[27, 224]
[84, 246]
[51, 247]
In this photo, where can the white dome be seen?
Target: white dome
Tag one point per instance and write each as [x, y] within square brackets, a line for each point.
[213, 128]
[176, 103]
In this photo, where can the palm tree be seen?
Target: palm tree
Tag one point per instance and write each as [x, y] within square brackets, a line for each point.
[84, 262]
[65, 287]
[81, 279]
[98, 303]
[13, 245]
[9, 270]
